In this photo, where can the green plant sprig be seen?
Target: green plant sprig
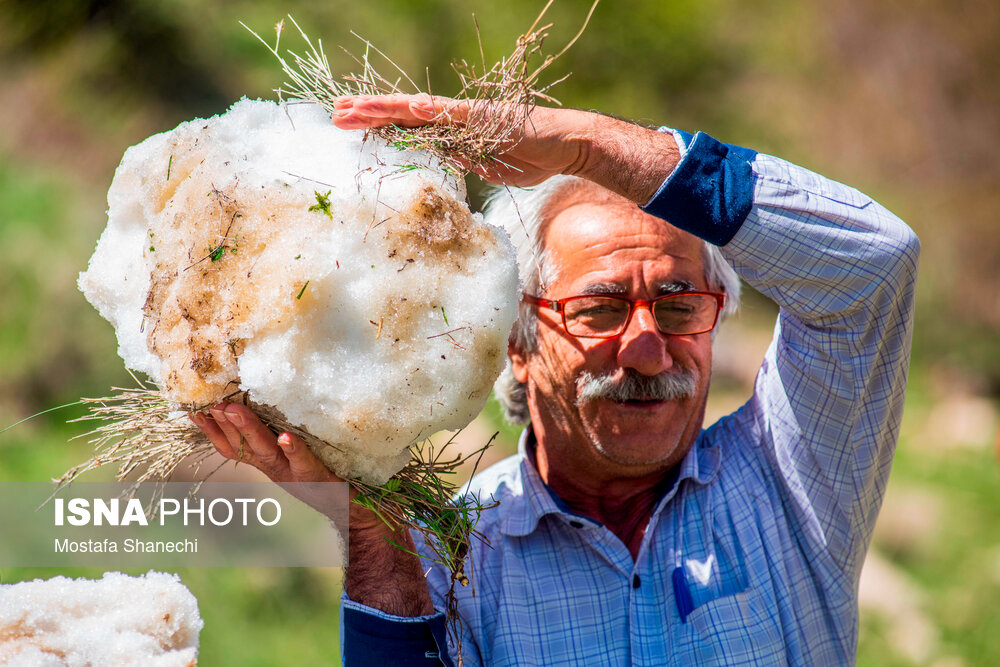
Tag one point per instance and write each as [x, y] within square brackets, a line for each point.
[420, 497]
[322, 204]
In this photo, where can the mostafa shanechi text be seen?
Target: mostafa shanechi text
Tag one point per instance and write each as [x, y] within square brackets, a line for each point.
[128, 546]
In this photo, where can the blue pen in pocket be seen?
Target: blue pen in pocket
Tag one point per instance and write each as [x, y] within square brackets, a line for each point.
[685, 604]
[682, 594]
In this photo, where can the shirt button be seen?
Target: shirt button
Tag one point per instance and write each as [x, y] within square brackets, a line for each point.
[635, 581]
[576, 524]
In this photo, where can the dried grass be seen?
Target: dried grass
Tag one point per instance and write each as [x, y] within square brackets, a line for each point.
[499, 98]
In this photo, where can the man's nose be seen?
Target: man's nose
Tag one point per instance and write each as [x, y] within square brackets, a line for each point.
[642, 347]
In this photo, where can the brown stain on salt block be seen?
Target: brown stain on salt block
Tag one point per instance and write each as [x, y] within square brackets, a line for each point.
[203, 287]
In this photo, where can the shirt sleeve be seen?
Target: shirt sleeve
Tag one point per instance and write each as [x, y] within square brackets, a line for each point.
[372, 637]
[828, 399]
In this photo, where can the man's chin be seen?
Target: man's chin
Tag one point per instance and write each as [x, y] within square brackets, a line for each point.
[639, 451]
[638, 433]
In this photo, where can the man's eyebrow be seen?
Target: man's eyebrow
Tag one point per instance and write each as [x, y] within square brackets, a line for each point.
[674, 286]
[616, 289]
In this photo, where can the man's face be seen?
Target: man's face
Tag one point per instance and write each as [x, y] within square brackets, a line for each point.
[610, 246]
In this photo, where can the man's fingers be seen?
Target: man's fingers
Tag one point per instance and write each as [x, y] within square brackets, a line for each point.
[302, 463]
[257, 437]
[256, 440]
[230, 432]
[214, 434]
[348, 119]
[239, 434]
[365, 111]
[442, 110]
[453, 111]
[309, 478]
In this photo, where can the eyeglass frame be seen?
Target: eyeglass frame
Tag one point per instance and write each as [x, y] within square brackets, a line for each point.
[559, 306]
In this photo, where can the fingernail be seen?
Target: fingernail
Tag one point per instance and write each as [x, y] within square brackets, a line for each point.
[285, 441]
[236, 418]
[198, 418]
[219, 415]
[421, 107]
[340, 113]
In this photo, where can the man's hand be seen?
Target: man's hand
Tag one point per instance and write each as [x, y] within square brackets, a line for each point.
[238, 434]
[378, 574]
[623, 157]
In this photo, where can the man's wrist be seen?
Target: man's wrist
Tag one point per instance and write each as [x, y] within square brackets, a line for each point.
[626, 158]
[384, 576]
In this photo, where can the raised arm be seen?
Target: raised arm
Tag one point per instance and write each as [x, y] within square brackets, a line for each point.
[623, 157]
[828, 400]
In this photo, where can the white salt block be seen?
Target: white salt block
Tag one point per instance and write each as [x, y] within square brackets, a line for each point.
[330, 276]
[146, 621]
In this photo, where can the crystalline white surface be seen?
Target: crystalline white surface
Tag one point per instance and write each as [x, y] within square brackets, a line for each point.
[330, 276]
[150, 620]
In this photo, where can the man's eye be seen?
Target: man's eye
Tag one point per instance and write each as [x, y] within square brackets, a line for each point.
[593, 311]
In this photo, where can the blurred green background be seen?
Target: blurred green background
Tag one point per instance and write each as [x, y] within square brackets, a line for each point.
[899, 99]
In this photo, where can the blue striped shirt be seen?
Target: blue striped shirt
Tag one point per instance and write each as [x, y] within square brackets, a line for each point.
[752, 557]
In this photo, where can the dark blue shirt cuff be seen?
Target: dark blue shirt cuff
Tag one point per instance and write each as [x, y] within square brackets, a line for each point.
[710, 191]
[368, 640]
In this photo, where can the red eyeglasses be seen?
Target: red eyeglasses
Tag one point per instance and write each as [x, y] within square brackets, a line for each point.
[599, 316]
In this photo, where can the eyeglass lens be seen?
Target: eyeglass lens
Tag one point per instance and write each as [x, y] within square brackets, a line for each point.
[607, 315]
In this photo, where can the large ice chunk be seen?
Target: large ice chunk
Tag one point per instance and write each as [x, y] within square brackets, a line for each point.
[332, 277]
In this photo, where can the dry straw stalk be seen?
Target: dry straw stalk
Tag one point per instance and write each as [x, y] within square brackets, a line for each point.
[500, 98]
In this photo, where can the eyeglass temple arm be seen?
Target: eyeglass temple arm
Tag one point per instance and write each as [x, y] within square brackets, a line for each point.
[544, 303]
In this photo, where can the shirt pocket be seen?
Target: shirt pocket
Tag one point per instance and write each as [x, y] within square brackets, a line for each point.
[737, 629]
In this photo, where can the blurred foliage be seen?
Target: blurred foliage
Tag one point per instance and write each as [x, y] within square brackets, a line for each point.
[148, 49]
[898, 99]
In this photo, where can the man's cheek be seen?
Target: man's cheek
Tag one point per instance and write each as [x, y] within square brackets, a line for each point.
[554, 381]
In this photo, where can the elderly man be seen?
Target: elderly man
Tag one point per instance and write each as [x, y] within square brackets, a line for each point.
[626, 533]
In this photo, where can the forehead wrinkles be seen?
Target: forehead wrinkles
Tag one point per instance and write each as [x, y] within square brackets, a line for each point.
[587, 245]
[608, 228]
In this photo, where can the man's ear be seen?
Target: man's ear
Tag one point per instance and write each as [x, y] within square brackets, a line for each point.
[518, 362]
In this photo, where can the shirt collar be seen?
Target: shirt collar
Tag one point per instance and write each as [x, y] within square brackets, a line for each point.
[523, 512]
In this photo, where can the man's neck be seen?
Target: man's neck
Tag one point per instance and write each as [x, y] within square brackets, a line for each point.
[622, 504]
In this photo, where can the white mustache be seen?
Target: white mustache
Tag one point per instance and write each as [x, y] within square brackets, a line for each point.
[634, 386]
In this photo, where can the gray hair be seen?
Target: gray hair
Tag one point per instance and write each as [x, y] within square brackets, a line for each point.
[523, 212]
